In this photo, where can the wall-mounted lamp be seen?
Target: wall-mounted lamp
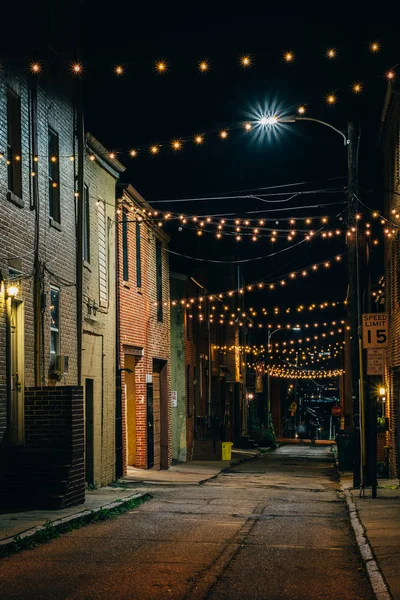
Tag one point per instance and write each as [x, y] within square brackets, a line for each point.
[12, 290]
[382, 391]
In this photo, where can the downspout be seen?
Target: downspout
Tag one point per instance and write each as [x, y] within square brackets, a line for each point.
[79, 232]
[118, 375]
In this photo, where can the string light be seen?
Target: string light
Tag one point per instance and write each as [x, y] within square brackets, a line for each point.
[119, 70]
[133, 153]
[199, 139]
[254, 285]
[176, 145]
[154, 149]
[375, 47]
[223, 134]
[245, 60]
[331, 99]
[247, 126]
[35, 67]
[77, 68]
[390, 75]
[357, 88]
[301, 110]
[203, 66]
[161, 66]
[288, 56]
[331, 53]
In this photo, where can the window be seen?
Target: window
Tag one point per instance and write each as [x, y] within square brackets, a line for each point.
[138, 257]
[188, 389]
[86, 225]
[54, 176]
[103, 256]
[14, 171]
[159, 281]
[125, 265]
[54, 322]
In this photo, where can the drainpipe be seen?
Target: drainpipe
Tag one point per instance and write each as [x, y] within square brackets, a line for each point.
[79, 232]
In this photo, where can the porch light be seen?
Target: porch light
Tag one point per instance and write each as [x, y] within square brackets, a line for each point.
[12, 290]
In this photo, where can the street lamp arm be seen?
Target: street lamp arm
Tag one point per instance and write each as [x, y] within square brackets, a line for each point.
[339, 131]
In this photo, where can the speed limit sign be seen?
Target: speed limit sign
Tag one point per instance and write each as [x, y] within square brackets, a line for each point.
[375, 330]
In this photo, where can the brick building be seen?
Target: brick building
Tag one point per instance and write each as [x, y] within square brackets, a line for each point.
[390, 145]
[39, 392]
[143, 419]
[99, 310]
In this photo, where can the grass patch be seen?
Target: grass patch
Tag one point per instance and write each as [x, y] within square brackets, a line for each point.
[50, 532]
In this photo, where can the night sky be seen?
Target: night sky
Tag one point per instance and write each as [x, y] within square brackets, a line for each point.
[143, 107]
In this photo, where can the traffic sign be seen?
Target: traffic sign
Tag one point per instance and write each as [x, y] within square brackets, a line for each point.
[336, 411]
[375, 329]
[375, 361]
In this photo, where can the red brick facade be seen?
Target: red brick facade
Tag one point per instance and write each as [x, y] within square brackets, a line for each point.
[144, 335]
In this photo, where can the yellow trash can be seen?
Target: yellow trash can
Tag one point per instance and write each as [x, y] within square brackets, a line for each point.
[227, 450]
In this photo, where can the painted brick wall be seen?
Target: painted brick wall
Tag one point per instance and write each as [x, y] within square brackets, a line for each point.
[56, 244]
[99, 331]
[139, 326]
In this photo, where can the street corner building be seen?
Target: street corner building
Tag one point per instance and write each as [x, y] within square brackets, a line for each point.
[388, 289]
[41, 401]
[143, 417]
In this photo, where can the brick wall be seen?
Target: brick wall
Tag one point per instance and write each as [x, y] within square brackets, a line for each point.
[56, 244]
[52, 461]
[391, 156]
[139, 326]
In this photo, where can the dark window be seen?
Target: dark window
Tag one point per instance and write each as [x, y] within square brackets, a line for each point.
[138, 258]
[86, 225]
[188, 388]
[125, 265]
[54, 176]
[14, 143]
[159, 280]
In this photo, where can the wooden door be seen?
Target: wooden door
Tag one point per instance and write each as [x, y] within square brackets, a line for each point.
[17, 371]
[150, 426]
[156, 417]
[130, 394]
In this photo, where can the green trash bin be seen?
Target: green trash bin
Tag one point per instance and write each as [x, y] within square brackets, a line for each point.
[345, 443]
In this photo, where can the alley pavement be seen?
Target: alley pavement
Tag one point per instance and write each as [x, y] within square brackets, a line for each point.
[275, 527]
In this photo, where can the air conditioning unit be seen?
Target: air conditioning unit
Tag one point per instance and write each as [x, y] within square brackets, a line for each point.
[60, 364]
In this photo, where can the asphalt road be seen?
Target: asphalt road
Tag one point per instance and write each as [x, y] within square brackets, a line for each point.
[272, 528]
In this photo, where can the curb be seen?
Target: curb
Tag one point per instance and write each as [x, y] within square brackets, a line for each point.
[378, 584]
[58, 524]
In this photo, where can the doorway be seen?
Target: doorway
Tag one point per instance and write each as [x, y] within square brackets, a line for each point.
[89, 431]
[130, 395]
[17, 371]
[160, 413]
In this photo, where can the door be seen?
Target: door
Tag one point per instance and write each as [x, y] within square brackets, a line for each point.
[150, 426]
[89, 431]
[130, 395]
[17, 371]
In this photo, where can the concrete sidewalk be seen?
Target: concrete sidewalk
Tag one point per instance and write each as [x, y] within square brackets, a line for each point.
[380, 519]
[190, 473]
[25, 523]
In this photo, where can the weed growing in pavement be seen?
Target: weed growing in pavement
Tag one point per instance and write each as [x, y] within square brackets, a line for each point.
[50, 532]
